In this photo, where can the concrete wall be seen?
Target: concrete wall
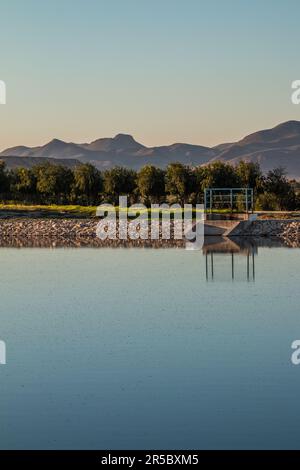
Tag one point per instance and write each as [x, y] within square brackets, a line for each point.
[219, 227]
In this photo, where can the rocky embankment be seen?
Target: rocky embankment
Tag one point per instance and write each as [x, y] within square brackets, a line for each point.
[33, 232]
[291, 234]
[25, 232]
[286, 230]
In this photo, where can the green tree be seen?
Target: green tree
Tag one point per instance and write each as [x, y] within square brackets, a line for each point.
[119, 182]
[87, 183]
[277, 183]
[179, 181]
[23, 183]
[151, 183]
[54, 182]
[250, 175]
[199, 174]
[266, 202]
[220, 175]
[4, 179]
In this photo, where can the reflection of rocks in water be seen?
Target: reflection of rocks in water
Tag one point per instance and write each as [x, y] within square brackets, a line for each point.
[242, 245]
[257, 242]
[46, 242]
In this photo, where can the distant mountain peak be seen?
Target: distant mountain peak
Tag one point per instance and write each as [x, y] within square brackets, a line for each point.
[279, 146]
[291, 122]
[56, 142]
[285, 130]
[124, 137]
[127, 142]
[288, 127]
[119, 143]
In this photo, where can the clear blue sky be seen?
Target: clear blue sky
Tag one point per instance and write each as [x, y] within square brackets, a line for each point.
[163, 70]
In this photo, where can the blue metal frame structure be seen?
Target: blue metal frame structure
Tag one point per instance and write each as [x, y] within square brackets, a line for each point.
[228, 198]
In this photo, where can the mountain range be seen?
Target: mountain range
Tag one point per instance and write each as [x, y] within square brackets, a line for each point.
[279, 146]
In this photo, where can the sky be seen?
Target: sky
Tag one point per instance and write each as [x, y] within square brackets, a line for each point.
[165, 71]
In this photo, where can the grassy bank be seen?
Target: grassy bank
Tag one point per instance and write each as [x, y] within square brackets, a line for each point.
[53, 210]
[77, 211]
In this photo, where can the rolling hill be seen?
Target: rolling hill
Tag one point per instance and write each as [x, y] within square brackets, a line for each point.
[279, 146]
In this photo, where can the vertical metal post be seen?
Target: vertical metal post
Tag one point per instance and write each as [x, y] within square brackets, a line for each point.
[232, 266]
[248, 255]
[246, 200]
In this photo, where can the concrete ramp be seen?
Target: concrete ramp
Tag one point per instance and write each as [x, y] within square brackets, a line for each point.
[220, 227]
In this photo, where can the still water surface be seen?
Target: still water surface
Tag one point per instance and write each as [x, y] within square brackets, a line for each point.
[146, 349]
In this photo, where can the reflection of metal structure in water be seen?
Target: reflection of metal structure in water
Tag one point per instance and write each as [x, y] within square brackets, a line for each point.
[229, 250]
[240, 199]
[210, 267]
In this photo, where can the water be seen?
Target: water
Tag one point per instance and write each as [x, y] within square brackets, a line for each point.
[139, 349]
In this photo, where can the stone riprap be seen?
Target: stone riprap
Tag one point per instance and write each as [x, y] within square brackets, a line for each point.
[82, 232]
[286, 230]
[291, 234]
[23, 232]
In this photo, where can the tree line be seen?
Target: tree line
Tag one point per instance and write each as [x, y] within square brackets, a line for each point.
[86, 185]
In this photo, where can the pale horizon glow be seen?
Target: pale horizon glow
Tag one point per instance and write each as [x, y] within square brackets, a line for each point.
[168, 71]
